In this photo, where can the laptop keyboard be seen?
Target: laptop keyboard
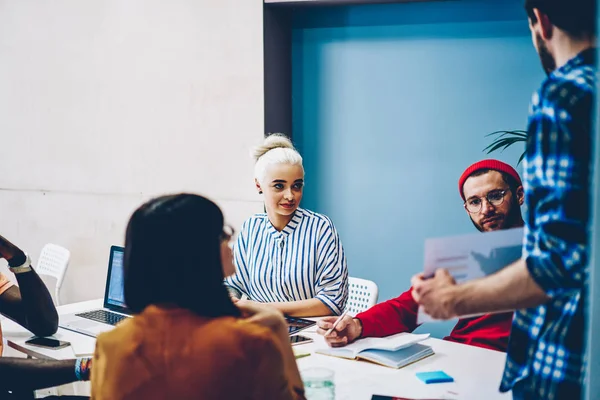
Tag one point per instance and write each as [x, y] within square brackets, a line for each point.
[103, 316]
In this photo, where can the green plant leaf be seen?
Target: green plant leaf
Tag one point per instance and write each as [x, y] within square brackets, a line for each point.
[503, 133]
[505, 139]
[503, 142]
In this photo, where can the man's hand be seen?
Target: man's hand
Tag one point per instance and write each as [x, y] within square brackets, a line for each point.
[8, 250]
[262, 314]
[436, 295]
[346, 331]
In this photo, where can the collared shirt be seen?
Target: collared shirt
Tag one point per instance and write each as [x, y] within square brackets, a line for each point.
[305, 260]
[546, 348]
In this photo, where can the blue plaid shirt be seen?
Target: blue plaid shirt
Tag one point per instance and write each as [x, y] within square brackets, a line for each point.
[546, 348]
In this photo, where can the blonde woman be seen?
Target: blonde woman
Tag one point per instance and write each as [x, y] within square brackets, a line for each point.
[289, 257]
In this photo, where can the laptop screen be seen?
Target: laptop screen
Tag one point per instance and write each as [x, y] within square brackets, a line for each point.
[114, 296]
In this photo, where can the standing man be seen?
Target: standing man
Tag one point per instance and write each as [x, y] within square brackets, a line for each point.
[492, 193]
[548, 285]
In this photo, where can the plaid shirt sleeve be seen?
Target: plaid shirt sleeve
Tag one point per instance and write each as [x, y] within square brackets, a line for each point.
[558, 167]
[545, 358]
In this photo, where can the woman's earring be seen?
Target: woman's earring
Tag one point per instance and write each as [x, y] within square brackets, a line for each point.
[260, 192]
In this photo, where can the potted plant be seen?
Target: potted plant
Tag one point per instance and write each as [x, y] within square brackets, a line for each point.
[504, 139]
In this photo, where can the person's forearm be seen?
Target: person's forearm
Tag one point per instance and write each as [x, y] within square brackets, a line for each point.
[390, 317]
[24, 374]
[289, 359]
[303, 308]
[509, 289]
[40, 313]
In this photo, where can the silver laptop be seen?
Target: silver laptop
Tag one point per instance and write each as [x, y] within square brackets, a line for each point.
[95, 321]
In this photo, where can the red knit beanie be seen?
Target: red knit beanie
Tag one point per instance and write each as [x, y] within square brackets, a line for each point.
[487, 164]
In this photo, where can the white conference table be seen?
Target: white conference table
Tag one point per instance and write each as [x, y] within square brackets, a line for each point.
[476, 371]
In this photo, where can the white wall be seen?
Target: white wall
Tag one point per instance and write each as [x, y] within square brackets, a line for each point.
[105, 103]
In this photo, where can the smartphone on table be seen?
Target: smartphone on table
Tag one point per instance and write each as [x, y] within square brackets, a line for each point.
[47, 343]
[295, 324]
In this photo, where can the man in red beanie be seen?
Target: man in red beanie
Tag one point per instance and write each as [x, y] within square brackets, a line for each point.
[483, 179]
[492, 195]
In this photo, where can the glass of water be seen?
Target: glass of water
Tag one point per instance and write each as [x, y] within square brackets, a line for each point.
[319, 383]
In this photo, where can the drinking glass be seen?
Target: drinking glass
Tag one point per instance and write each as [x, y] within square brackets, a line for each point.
[319, 383]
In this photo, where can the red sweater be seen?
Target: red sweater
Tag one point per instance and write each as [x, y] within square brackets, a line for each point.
[490, 331]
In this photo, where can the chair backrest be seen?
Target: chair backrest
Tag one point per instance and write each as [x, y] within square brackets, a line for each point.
[53, 262]
[362, 295]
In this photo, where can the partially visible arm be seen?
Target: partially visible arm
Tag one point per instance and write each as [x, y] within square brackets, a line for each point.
[30, 304]
[509, 289]
[276, 374]
[23, 374]
[303, 308]
[332, 272]
[390, 317]
[289, 362]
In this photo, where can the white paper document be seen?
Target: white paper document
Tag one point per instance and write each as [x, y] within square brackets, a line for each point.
[83, 348]
[473, 256]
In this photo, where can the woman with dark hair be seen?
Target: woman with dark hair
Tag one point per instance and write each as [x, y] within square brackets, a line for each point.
[187, 339]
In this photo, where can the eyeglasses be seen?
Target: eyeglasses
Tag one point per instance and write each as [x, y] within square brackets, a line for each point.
[228, 233]
[494, 197]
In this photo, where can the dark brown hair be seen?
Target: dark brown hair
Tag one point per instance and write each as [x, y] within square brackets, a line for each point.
[173, 256]
[576, 17]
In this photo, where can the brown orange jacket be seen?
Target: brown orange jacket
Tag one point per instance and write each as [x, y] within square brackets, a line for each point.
[174, 354]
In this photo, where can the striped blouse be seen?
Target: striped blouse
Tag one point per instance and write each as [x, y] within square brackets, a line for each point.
[305, 260]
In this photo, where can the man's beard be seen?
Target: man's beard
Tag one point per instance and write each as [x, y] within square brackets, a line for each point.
[511, 220]
[548, 62]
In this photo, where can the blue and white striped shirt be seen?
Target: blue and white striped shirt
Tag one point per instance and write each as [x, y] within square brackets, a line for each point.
[305, 260]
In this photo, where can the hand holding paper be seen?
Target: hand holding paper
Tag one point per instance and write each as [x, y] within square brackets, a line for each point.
[436, 294]
[454, 260]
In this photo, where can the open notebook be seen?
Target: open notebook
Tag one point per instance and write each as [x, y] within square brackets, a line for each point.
[394, 351]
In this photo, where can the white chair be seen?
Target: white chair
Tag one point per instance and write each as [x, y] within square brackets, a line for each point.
[53, 262]
[362, 295]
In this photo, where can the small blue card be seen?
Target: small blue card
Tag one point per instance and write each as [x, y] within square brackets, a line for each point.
[434, 377]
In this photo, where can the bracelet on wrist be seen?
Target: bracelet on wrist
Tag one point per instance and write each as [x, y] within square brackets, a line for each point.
[24, 266]
[83, 368]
